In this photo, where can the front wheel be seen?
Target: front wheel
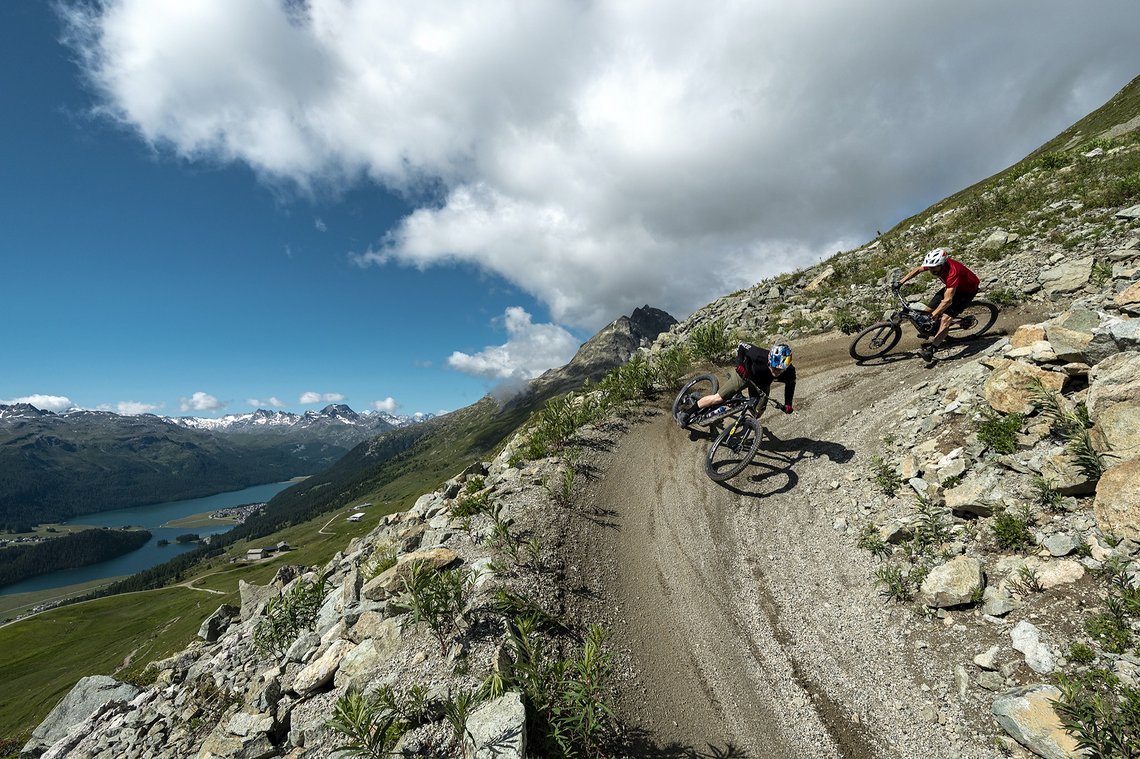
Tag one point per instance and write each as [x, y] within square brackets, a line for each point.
[977, 317]
[877, 340]
[697, 387]
[733, 449]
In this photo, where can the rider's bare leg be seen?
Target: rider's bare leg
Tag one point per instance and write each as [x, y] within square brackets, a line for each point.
[709, 400]
[943, 328]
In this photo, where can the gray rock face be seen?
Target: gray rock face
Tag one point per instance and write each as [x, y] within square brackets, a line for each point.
[953, 583]
[217, 623]
[497, 730]
[1117, 504]
[1026, 638]
[1027, 714]
[88, 695]
[1067, 277]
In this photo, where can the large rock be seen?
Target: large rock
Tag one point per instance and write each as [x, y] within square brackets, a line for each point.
[392, 579]
[1117, 335]
[954, 583]
[1117, 503]
[1061, 471]
[1066, 277]
[88, 696]
[1071, 332]
[1009, 388]
[321, 670]
[1118, 428]
[216, 624]
[255, 597]
[979, 494]
[1026, 638]
[1027, 335]
[1114, 380]
[820, 278]
[1129, 299]
[497, 729]
[1027, 714]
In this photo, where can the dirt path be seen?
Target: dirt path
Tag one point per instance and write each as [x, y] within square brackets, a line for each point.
[747, 625]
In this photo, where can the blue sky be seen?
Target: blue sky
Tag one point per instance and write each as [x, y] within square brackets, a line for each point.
[214, 205]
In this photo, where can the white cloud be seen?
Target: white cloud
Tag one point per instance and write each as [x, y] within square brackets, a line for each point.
[43, 402]
[201, 401]
[606, 155]
[134, 408]
[530, 350]
[272, 402]
[319, 223]
[311, 397]
[387, 405]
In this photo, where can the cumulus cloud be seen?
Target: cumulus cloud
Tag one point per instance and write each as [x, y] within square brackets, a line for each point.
[388, 405]
[42, 402]
[530, 350]
[134, 408]
[311, 397]
[605, 155]
[272, 402]
[201, 401]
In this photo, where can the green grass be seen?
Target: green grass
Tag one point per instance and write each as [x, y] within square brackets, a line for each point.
[44, 656]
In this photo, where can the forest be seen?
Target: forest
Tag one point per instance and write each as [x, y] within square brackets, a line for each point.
[19, 562]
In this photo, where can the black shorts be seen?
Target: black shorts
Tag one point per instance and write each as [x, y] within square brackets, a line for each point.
[961, 300]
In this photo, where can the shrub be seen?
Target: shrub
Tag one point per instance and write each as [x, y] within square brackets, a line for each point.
[1053, 161]
[1102, 714]
[671, 365]
[286, 616]
[1045, 495]
[437, 598]
[1000, 432]
[371, 729]
[1101, 273]
[870, 540]
[1079, 653]
[896, 586]
[1011, 530]
[712, 342]
[1071, 423]
[846, 321]
[886, 476]
[1003, 297]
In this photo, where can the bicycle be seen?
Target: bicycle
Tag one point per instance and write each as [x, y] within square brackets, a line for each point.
[878, 339]
[737, 444]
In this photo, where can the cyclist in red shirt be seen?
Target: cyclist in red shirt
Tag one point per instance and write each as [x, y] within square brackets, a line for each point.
[960, 285]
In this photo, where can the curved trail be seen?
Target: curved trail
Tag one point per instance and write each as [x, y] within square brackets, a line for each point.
[748, 625]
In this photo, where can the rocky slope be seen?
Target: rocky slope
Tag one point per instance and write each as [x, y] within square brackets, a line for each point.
[1007, 533]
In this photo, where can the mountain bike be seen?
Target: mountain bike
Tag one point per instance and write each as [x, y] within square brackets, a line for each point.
[878, 339]
[736, 444]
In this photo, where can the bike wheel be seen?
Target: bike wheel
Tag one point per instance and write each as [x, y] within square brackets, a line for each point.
[733, 449]
[701, 385]
[973, 322]
[875, 341]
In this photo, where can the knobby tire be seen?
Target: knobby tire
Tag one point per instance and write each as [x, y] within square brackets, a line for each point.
[863, 348]
[734, 448]
[982, 314]
[701, 385]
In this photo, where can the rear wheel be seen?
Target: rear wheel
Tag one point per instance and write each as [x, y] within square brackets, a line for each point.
[975, 319]
[733, 449]
[877, 340]
[697, 387]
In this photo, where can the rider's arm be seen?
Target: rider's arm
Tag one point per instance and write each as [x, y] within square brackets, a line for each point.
[947, 299]
[910, 274]
[789, 387]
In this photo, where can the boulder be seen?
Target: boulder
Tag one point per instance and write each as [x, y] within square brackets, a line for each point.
[820, 278]
[1066, 277]
[321, 670]
[1117, 503]
[996, 241]
[1128, 300]
[1071, 332]
[1008, 388]
[1060, 470]
[1114, 380]
[1026, 639]
[392, 579]
[255, 597]
[216, 624]
[1026, 335]
[1132, 212]
[88, 696]
[1118, 429]
[1117, 335]
[1027, 714]
[978, 494]
[954, 583]
[497, 729]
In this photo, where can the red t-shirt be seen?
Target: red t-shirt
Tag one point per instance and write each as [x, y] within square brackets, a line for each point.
[959, 277]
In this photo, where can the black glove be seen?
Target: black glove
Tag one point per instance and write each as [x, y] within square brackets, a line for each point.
[788, 408]
[896, 286]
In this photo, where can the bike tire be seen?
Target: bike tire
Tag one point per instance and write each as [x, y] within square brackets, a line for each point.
[702, 384]
[876, 340]
[979, 316]
[734, 449]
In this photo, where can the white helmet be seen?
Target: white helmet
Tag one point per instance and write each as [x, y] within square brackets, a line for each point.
[935, 258]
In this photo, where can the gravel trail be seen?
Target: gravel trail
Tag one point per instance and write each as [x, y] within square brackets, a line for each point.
[746, 622]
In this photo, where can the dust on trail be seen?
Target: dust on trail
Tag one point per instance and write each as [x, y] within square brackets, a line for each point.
[746, 625]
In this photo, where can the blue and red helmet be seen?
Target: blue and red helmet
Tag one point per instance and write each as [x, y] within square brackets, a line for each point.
[780, 357]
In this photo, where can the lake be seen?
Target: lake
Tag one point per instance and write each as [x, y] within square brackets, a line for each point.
[151, 518]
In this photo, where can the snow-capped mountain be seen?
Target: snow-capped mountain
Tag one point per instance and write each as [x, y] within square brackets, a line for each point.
[335, 423]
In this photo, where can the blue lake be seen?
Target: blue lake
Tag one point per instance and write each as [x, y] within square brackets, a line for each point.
[151, 518]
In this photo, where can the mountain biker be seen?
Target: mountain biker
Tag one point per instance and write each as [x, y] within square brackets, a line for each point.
[755, 365]
[960, 285]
